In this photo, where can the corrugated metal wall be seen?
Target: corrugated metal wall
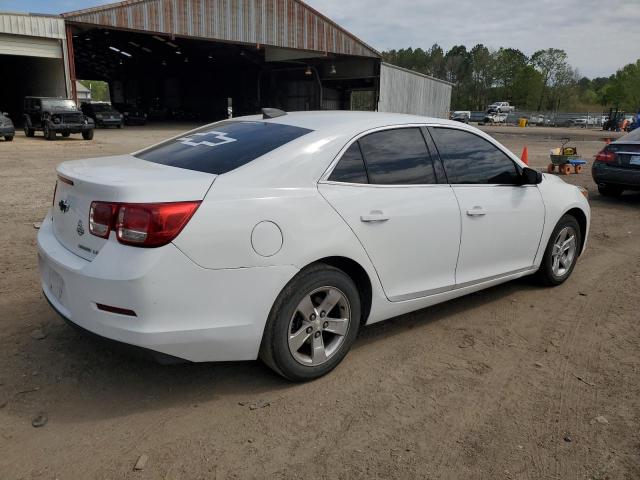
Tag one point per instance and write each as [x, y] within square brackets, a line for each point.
[32, 25]
[404, 91]
[281, 23]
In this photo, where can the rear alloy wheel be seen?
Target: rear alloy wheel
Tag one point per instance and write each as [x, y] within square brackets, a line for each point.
[610, 190]
[562, 252]
[312, 324]
[87, 134]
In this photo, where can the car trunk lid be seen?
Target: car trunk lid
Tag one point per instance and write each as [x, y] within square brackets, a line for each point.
[627, 155]
[122, 178]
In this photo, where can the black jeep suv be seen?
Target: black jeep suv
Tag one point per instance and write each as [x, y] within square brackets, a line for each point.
[55, 115]
[6, 127]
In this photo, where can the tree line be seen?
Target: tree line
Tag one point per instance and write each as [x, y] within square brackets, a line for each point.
[545, 81]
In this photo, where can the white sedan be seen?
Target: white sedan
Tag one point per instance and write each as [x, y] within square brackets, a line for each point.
[279, 236]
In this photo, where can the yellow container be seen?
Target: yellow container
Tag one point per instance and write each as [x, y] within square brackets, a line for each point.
[522, 122]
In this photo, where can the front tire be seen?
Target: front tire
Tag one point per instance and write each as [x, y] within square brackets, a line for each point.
[610, 190]
[312, 324]
[562, 252]
[87, 134]
[48, 133]
[9, 138]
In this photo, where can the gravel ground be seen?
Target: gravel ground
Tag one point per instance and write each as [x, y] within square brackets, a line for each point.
[515, 382]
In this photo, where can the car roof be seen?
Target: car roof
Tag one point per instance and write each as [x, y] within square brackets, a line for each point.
[346, 121]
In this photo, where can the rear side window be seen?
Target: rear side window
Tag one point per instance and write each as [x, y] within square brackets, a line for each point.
[351, 167]
[470, 159]
[222, 147]
[397, 157]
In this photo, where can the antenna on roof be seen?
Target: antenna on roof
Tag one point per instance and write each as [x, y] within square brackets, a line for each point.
[272, 113]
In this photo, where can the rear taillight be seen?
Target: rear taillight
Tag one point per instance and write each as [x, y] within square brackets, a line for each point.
[141, 224]
[606, 156]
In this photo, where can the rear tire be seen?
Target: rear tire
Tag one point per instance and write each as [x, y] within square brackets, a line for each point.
[29, 132]
[301, 340]
[562, 252]
[87, 134]
[610, 190]
[9, 138]
[66, 134]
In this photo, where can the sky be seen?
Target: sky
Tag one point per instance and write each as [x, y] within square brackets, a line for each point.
[599, 36]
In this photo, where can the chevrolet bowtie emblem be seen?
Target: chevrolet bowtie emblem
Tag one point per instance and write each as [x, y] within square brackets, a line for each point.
[64, 206]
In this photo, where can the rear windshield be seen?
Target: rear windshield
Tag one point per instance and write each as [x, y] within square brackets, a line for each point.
[222, 147]
[634, 136]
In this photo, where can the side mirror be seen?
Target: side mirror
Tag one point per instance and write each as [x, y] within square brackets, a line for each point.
[531, 176]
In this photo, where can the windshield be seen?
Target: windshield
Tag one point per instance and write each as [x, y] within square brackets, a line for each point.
[223, 146]
[58, 104]
[101, 107]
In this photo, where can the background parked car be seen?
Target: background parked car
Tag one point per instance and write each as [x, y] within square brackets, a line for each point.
[55, 115]
[617, 166]
[461, 116]
[103, 114]
[7, 129]
[132, 115]
[500, 107]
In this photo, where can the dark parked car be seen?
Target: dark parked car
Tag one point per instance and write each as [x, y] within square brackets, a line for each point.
[6, 127]
[133, 115]
[55, 115]
[103, 114]
[617, 166]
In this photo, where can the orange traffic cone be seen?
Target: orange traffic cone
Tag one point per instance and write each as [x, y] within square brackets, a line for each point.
[525, 155]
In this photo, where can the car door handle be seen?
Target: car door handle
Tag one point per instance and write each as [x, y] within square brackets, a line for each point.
[374, 216]
[476, 211]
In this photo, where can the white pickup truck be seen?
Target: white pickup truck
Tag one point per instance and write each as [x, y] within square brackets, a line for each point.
[500, 107]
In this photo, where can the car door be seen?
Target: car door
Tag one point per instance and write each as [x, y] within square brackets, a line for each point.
[386, 188]
[502, 219]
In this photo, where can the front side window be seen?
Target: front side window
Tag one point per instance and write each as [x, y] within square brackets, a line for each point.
[470, 159]
[350, 168]
[397, 157]
[222, 147]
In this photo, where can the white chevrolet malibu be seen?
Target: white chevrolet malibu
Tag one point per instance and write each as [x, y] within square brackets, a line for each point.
[279, 236]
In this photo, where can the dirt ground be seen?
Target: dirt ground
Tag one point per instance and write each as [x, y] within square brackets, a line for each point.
[515, 382]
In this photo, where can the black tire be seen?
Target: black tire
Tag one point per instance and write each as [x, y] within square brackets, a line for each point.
[274, 350]
[610, 190]
[29, 132]
[87, 134]
[66, 134]
[48, 133]
[546, 274]
[9, 138]
[120, 125]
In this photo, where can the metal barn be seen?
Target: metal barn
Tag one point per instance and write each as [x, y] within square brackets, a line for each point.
[193, 59]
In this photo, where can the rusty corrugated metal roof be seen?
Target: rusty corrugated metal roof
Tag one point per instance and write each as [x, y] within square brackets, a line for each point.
[281, 23]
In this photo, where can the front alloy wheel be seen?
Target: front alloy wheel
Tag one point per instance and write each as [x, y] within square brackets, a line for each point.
[312, 324]
[562, 252]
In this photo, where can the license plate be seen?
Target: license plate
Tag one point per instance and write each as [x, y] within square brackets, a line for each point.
[56, 284]
[634, 160]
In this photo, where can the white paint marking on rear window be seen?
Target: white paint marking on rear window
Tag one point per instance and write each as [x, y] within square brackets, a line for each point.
[190, 140]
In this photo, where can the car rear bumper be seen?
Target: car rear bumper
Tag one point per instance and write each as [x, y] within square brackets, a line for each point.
[604, 174]
[181, 309]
